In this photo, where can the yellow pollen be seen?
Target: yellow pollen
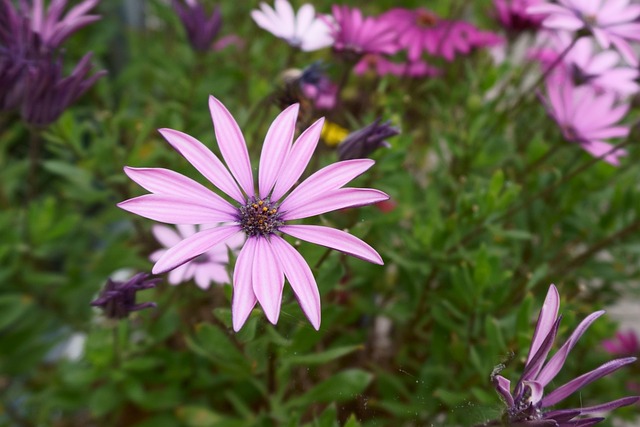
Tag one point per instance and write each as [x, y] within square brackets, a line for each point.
[264, 209]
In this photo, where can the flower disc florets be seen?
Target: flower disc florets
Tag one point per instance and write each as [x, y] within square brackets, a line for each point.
[260, 217]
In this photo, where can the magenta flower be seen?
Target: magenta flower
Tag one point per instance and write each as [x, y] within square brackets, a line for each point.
[383, 67]
[53, 29]
[262, 214]
[201, 27]
[611, 21]
[357, 35]
[302, 30]
[624, 344]
[587, 118]
[208, 267]
[527, 404]
[513, 15]
[420, 30]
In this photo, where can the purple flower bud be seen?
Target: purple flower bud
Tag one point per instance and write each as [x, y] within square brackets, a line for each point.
[118, 299]
[201, 29]
[361, 143]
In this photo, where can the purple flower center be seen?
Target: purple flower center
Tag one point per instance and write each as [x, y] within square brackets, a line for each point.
[260, 217]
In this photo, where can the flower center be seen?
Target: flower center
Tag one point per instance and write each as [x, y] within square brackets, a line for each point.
[426, 18]
[260, 217]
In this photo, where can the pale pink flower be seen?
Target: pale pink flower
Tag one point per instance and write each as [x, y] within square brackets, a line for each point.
[261, 213]
[420, 30]
[610, 21]
[588, 118]
[358, 35]
[302, 30]
[208, 267]
[584, 64]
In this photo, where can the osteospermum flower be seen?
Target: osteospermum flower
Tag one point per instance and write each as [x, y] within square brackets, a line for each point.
[53, 29]
[357, 35]
[201, 27]
[528, 402]
[624, 343]
[118, 299]
[610, 21]
[514, 17]
[208, 267]
[420, 30]
[262, 214]
[587, 118]
[382, 67]
[302, 30]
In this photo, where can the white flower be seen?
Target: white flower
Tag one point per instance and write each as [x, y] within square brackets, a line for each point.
[304, 30]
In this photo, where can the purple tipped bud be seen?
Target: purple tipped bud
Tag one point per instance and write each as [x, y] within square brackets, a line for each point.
[118, 299]
[201, 29]
[361, 143]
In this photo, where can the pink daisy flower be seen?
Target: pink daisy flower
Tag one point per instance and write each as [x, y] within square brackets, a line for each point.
[587, 118]
[382, 67]
[356, 34]
[420, 30]
[262, 214]
[208, 267]
[303, 30]
[624, 343]
[610, 21]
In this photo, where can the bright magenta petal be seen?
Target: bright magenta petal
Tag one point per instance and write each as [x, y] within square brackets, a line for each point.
[207, 163]
[243, 299]
[276, 148]
[334, 239]
[298, 159]
[268, 279]
[300, 278]
[176, 209]
[232, 145]
[193, 246]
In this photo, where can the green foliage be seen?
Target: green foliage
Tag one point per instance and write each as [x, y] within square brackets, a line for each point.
[490, 208]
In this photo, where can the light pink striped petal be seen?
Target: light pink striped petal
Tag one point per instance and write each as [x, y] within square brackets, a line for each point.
[170, 183]
[275, 149]
[546, 319]
[300, 278]
[193, 246]
[207, 163]
[232, 145]
[554, 365]
[175, 209]
[297, 159]
[334, 239]
[326, 179]
[167, 236]
[243, 299]
[331, 201]
[267, 279]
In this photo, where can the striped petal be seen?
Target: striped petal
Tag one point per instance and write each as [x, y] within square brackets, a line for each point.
[243, 299]
[276, 148]
[175, 209]
[338, 199]
[267, 279]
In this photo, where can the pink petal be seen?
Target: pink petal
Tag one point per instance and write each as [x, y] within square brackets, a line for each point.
[204, 161]
[326, 179]
[243, 299]
[193, 246]
[334, 239]
[503, 387]
[300, 278]
[268, 279]
[175, 209]
[165, 235]
[297, 159]
[170, 183]
[331, 201]
[232, 145]
[276, 148]
[546, 319]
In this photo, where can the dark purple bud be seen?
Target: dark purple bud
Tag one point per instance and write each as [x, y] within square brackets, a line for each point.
[118, 299]
[201, 29]
[361, 143]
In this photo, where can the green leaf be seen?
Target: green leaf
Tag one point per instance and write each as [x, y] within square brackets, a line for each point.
[343, 386]
[322, 357]
[12, 306]
[198, 416]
